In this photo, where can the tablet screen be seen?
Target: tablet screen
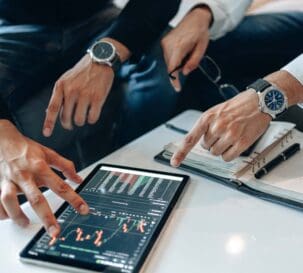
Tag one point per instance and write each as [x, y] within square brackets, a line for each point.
[128, 207]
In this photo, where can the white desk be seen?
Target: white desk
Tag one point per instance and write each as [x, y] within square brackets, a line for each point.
[214, 228]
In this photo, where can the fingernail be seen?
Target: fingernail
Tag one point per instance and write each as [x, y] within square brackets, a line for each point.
[178, 88]
[67, 125]
[84, 209]
[174, 163]
[47, 132]
[186, 71]
[53, 231]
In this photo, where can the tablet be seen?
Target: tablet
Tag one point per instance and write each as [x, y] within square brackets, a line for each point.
[128, 209]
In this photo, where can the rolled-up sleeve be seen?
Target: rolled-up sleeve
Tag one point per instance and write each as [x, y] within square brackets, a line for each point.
[227, 14]
[295, 68]
[141, 22]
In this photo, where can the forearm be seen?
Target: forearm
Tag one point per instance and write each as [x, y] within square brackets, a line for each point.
[227, 14]
[141, 23]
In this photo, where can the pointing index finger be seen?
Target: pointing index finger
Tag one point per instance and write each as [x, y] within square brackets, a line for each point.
[53, 110]
[199, 129]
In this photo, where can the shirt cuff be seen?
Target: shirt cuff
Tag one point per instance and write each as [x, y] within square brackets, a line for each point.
[295, 68]
[185, 7]
[226, 14]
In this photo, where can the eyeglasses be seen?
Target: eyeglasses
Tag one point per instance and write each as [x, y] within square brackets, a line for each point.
[213, 73]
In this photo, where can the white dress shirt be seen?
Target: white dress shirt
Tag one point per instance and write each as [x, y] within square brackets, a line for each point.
[227, 14]
[295, 68]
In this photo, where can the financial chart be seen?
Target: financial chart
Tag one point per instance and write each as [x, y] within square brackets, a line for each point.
[125, 209]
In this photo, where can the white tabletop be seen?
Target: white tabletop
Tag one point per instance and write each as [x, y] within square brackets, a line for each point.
[213, 229]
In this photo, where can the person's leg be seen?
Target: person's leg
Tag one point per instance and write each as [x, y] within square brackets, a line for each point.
[260, 45]
[28, 56]
[149, 99]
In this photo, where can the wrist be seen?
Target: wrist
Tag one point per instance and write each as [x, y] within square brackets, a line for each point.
[204, 13]
[288, 84]
[122, 50]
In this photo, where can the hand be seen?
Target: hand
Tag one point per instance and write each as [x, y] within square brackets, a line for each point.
[80, 93]
[24, 167]
[227, 129]
[188, 40]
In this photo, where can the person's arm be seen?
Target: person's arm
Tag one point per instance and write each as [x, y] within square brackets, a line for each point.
[206, 19]
[142, 22]
[227, 14]
[295, 68]
[229, 128]
[79, 94]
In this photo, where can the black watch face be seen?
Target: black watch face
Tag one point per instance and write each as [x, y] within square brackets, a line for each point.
[274, 100]
[103, 50]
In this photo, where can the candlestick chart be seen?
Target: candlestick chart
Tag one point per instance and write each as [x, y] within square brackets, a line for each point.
[125, 209]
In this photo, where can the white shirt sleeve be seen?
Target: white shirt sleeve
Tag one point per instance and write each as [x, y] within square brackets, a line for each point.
[227, 14]
[295, 68]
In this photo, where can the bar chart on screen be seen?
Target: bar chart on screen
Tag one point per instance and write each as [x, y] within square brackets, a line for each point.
[131, 185]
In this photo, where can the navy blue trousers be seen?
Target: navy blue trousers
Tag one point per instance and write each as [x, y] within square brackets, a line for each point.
[260, 45]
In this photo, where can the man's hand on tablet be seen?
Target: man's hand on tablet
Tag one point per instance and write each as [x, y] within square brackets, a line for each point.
[24, 167]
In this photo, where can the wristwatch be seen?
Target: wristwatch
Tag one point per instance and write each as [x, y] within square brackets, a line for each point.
[272, 100]
[104, 52]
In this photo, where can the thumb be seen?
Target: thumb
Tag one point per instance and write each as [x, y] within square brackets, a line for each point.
[174, 65]
[195, 57]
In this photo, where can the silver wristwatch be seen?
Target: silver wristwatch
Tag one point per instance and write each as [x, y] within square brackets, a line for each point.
[104, 52]
[272, 100]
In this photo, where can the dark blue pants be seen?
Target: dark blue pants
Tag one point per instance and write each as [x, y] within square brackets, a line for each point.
[260, 45]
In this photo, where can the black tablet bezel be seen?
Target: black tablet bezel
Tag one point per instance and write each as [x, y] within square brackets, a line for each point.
[59, 261]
